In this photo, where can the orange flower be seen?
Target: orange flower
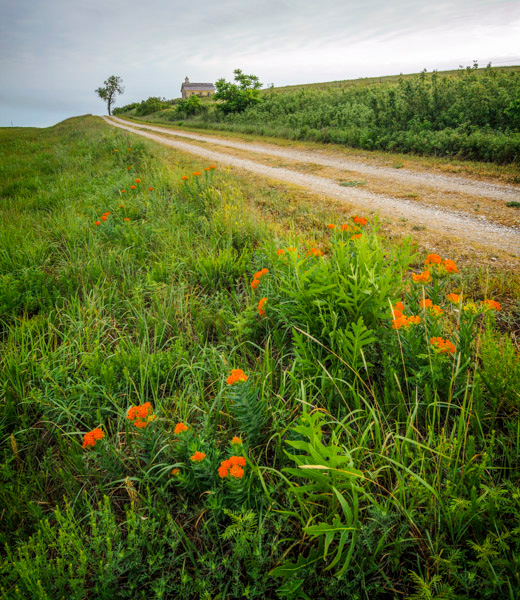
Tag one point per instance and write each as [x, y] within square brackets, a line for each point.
[261, 273]
[357, 236]
[104, 218]
[123, 191]
[127, 219]
[138, 181]
[236, 376]
[425, 303]
[106, 214]
[399, 306]
[331, 226]
[455, 298]
[90, 438]
[436, 310]
[129, 149]
[280, 252]
[185, 178]
[212, 167]
[132, 187]
[196, 173]
[175, 471]
[236, 440]
[404, 321]
[291, 249]
[315, 252]
[128, 168]
[232, 466]
[433, 259]
[360, 221]
[236, 471]
[442, 345]
[150, 189]
[345, 227]
[179, 428]
[198, 456]
[424, 277]
[141, 415]
[450, 266]
[261, 304]
[491, 305]
[97, 223]
[207, 169]
[121, 206]
[255, 283]
[116, 150]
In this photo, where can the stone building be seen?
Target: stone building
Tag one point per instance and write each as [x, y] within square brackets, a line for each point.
[196, 89]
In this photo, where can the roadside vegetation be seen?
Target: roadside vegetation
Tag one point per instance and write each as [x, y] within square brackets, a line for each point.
[201, 400]
[473, 114]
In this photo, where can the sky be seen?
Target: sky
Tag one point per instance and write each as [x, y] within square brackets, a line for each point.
[55, 53]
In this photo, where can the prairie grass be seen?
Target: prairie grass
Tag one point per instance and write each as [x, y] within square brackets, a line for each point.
[301, 437]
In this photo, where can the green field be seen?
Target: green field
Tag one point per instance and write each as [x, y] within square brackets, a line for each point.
[210, 390]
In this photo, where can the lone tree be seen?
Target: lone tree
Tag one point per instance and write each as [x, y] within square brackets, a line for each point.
[238, 96]
[113, 86]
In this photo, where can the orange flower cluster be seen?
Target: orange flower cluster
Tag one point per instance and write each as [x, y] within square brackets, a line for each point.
[433, 259]
[236, 440]
[450, 266]
[90, 438]
[436, 261]
[185, 178]
[132, 187]
[141, 415]
[442, 345]
[455, 298]
[196, 173]
[315, 252]
[179, 428]
[198, 456]
[360, 221]
[150, 189]
[261, 310]
[357, 236]
[331, 226]
[104, 217]
[236, 375]
[280, 252]
[424, 277]
[401, 320]
[491, 305]
[434, 308]
[256, 278]
[123, 191]
[175, 471]
[138, 181]
[233, 467]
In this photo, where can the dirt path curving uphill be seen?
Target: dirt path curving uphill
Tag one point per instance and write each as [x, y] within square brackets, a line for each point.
[452, 222]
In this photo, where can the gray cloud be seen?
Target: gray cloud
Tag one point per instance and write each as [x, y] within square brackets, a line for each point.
[54, 53]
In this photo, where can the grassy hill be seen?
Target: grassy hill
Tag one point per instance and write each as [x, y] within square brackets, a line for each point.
[214, 388]
[471, 114]
[367, 81]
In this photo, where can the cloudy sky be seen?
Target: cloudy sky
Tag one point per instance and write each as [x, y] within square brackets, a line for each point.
[54, 53]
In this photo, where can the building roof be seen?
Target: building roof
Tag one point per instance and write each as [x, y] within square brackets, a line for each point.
[198, 86]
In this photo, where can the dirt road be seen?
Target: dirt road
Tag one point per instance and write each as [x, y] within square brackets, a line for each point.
[463, 193]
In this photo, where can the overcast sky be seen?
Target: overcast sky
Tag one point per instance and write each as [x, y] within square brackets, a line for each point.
[54, 53]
